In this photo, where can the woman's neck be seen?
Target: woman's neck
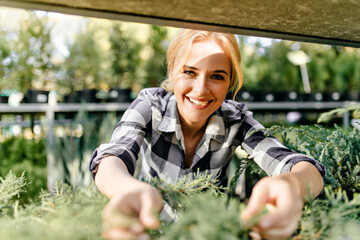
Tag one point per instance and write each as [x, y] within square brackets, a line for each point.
[192, 130]
[192, 135]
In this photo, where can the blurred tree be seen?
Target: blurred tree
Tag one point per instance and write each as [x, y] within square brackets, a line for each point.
[31, 56]
[331, 68]
[346, 68]
[156, 64]
[83, 68]
[124, 56]
[267, 68]
[284, 76]
[5, 60]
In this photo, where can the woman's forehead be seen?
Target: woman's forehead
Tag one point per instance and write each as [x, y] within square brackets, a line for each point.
[208, 53]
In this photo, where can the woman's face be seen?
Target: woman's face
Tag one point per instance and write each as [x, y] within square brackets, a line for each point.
[202, 85]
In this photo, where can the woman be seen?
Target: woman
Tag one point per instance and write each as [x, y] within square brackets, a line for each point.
[188, 126]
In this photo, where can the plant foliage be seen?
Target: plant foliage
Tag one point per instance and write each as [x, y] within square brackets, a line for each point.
[197, 206]
[335, 217]
[338, 150]
[10, 188]
[67, 213]
[26, 156]
[338, 112]
[73, 213]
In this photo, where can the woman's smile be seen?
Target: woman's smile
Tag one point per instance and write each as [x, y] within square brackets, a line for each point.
[199, 103]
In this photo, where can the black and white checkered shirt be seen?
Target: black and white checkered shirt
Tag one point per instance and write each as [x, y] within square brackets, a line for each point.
[151, 126]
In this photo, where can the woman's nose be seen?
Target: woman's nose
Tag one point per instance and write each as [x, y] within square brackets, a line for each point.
[200, 85]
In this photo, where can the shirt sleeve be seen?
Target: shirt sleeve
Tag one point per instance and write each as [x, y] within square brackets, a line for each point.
[127, 136]
[267, 151]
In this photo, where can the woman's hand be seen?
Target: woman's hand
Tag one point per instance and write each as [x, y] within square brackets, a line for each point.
[128, 213]
[284, 204]
[133, 205]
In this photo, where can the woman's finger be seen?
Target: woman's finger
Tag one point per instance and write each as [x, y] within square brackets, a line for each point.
[151, 204]
[284, 217]
[283, 228]
[259, 197]
[115, 217]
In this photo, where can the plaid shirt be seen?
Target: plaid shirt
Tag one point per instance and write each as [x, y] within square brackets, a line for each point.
[151, 126]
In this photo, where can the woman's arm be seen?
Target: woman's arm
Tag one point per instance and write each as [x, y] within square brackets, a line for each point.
[307, 180]
[137, 201]
[112, 176]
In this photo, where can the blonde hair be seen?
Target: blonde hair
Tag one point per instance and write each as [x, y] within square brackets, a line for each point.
[179, 51]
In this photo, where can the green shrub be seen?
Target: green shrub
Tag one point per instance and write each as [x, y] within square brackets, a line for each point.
[67, 213]
[73, 213]
[22, 155]
[338, 149]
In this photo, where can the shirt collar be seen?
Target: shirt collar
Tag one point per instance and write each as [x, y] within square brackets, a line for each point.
[170, 118]
[216, 127]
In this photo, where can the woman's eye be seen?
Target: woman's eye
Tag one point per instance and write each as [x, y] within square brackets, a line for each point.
[189, 73]
[217, 77]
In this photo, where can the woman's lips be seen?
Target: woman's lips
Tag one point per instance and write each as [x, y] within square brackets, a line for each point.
[199, 103]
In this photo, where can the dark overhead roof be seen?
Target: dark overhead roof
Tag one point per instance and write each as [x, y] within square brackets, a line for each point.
[335, 22]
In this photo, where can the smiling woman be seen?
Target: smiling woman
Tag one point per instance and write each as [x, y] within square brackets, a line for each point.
[187, 128]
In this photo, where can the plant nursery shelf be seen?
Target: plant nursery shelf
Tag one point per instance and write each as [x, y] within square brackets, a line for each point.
[118, 107]
[74, 107]
[295, 105]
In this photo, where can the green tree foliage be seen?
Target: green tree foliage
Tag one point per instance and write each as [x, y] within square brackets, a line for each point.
[5, 61]
[267, 68]
[156, 65]
[31, 55]
[124, 57]
[83, 67]
[331, 68]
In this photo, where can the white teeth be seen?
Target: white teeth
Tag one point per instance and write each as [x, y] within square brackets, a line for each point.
[197, 102]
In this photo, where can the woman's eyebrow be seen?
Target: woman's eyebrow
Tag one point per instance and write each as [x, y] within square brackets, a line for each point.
[221, 71]
[216, 71]
[191, 67]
